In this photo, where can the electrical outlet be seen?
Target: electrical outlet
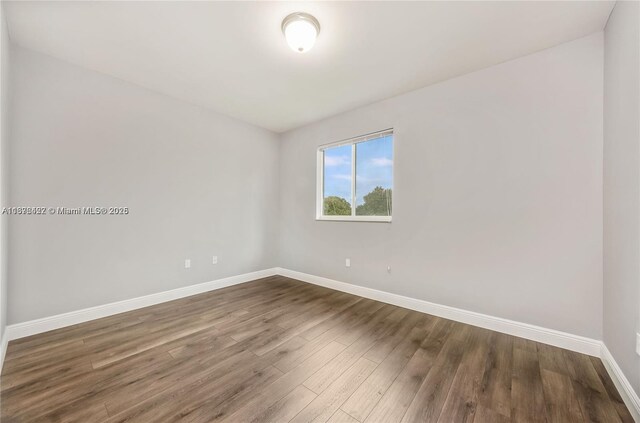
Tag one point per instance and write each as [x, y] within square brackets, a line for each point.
[214, 260]
[187, 263]
[347, 262]
[638, 343]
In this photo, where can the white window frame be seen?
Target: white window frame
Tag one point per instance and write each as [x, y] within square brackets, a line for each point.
[320, 178]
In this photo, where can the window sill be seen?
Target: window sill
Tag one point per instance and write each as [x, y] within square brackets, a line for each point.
[374, 219]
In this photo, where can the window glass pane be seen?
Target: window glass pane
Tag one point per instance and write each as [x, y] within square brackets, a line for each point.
[374, 177]
[337, 181]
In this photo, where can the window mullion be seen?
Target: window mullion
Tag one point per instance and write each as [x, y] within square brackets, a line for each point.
[353, 179]
[320, 184]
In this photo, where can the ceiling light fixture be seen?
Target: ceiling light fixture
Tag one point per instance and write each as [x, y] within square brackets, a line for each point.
[301, 30]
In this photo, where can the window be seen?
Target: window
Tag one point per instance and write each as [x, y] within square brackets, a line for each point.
[355, 178]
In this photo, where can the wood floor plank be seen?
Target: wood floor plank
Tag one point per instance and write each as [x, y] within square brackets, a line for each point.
[139, 392]
[341, 417]
[467, 385]
[592, 395]
[386, 316]
[277, 349]
[70, 363]
[199, 345]
[432, 394]
[365, 398]
[487, 415]
[269, 312]
[212, 411]
[292, 331]
[182, 404]
[33, 399]
[77, 414]
[495, 386]
[368, 335]
[399, 396]
[527, 393]
[363, 306]
[284, 385]
[331, 303]
[354, 322]
[322, 408]
[552, 359]
[562, 404]
[144, 343]
[401, 330]
[611, 389]
[286, 408]
[40, 357]
[209, 407]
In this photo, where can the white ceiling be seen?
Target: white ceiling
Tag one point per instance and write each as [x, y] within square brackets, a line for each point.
[232, 57]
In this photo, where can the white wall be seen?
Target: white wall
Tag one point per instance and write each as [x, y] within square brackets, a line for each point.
[497, 196]
[622, 187]
[196, 183]
[4, 174]
[4, 167]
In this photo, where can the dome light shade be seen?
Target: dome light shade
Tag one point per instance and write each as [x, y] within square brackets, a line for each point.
[300, 30]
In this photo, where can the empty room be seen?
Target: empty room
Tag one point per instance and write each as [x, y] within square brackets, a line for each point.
[320, 211]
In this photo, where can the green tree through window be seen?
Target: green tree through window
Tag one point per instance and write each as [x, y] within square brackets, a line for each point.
[336, 206]
[376, 203]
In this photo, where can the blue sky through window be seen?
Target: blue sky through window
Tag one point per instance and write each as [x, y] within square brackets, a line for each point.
[374, 167]
[337, 172]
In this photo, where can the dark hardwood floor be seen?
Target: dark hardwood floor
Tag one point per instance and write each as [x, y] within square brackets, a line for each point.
[280, 350]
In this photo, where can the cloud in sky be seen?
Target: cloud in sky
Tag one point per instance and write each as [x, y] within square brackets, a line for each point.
[342, 176]
[381, 161]
[332, 161]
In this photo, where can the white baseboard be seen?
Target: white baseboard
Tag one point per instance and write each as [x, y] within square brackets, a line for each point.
[535, 333]
[20, 330]
[629, 396]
